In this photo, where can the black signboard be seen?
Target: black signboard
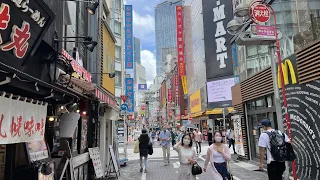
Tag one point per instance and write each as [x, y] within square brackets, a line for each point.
[303, 108]
[218, 50]
[23, 24]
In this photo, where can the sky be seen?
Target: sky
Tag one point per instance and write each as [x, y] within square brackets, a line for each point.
[143, 28]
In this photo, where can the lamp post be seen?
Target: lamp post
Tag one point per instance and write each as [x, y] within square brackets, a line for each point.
[235, 26]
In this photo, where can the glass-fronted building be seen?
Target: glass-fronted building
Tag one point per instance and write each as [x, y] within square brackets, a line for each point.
[136, 50]
[165, 28]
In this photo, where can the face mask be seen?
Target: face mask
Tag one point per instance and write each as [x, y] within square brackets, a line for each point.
[186, 141]
[218, 139]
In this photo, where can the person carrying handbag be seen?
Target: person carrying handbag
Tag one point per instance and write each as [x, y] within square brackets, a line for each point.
[218, 155]
[187, 158]
[144, 144]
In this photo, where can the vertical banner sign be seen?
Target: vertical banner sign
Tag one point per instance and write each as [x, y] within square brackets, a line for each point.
[238, 134]
[218, 51]
[177, 89]
[129, 94]
[169, 95]
[180, 41]
[128, 37]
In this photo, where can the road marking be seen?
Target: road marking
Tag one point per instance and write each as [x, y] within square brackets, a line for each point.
[144, 176]
[176, 165]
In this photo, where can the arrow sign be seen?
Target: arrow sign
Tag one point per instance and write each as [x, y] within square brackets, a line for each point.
[124, 107]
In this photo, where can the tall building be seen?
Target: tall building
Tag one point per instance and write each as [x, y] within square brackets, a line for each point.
[136, 50]
[140, 78]
[165, 28]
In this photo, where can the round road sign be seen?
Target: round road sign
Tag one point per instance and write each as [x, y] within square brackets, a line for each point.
[260, 13]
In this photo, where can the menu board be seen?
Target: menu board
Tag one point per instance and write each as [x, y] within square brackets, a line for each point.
[37, 150]
[95, 156]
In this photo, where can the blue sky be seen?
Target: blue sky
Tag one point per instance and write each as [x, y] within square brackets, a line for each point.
[143, 28]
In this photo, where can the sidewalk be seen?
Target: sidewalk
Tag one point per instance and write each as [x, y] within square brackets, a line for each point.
[157, 171]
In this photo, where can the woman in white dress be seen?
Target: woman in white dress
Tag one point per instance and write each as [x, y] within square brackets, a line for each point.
[187, 157]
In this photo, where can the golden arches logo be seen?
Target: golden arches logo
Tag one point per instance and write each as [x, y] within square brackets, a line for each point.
[286, 68]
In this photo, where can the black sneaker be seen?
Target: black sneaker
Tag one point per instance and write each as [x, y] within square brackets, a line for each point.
[141, 169]
[145, 171]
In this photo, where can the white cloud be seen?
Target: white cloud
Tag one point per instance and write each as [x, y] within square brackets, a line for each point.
[148, 8]
[148, 60]
[143, 27]
[125, 2]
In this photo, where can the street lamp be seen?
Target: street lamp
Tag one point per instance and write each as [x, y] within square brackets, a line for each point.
[233, 28]
[91, 8]
[87, 41]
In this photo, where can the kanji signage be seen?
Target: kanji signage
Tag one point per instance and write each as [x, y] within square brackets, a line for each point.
[21, 121]
[180, 41]
[79, 70]
[23, 24]
[128, 37]
[260, 13]
[130, 94]
[169, 95]
[177, 89]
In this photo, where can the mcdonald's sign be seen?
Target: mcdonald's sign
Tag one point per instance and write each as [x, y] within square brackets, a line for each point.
[288, 69]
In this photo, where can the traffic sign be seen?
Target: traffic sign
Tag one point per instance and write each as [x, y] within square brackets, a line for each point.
[124, 113]
[260, 13]
[124, 98]
[124, 107]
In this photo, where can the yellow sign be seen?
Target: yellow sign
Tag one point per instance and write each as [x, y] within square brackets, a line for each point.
[108, 59]
[218, 110]
[184, 84]
[195, 102]
[286, 68]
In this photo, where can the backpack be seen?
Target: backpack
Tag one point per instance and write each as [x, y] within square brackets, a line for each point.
[278, 147]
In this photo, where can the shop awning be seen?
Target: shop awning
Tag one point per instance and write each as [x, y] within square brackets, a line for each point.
[105, 97]
[218, 111]
[81, 84]
[197, 114]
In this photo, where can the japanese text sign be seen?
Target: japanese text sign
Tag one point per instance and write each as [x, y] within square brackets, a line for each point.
[260, 13]
[169, 95]
[130, 94]
[180, 41]
[21, 121]
[79, 70]
[263, 30]
[128, 37]
[23, 24]
[177, 88]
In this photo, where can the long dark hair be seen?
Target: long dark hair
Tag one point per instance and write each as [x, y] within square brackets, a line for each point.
[190, 145]
[214, 134]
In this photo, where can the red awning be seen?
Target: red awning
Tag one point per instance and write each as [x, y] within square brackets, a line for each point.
[81, 84]
[105, 97]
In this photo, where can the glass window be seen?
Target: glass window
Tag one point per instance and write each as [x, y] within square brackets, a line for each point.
[118, 78]
[118, 53]
[269, 101]
[251, 105]
[117, 5]
[251, 51]
[260, 103]
[117, 27]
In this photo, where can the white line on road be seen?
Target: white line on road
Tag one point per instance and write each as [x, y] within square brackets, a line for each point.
[144, 176]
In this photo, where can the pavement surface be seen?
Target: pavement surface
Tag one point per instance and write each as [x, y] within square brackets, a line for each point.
[157, 171]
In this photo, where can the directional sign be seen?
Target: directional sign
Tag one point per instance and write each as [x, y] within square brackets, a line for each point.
[124, 107]
[124, 113]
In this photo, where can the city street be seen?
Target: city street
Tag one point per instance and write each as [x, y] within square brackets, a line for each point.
[157, 170]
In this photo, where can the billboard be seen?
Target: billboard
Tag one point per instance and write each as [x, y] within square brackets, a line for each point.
[218, 50]
[195, 102]
[128, 37]
[130, 94]
[180, 41]
[303, 108]
[219, 93]
[142, 87]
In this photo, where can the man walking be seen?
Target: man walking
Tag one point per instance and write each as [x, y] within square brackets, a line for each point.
[275, 168]
[198, 140]
[165, 141]
[230, 136]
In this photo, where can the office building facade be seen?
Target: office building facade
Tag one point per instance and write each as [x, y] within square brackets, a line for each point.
[137, 50]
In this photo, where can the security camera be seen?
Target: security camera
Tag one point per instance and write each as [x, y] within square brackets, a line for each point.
[112, 75]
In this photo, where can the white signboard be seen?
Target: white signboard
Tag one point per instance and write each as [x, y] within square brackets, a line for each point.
[114, 160]
[37, 150]
[21, 121]
[220, 90]
[238, 134]
[95, 156]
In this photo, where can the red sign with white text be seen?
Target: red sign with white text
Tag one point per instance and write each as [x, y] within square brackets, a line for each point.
[260, 13]
[177, 89]
[180, 41]
[21, 121]
[169, 95]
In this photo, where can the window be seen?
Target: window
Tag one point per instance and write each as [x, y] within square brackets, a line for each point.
[117, 5]
[118, 53]
[118, 78]
[117, 27]
[260, 103]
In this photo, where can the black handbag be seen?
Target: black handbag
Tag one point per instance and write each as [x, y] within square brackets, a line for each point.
[196, 169]
[291, 155]
[150, 149]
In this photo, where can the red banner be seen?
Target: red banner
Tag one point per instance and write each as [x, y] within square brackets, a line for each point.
[180, 41]
[177, 89]
[169, 95]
